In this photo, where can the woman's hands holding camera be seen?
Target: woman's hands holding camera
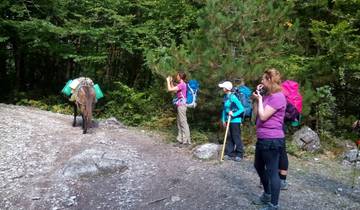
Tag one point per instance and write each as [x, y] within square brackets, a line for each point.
[258, 93]
[259, 87]
[169, 79]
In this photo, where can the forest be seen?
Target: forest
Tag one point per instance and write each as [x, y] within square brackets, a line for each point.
[129, 47]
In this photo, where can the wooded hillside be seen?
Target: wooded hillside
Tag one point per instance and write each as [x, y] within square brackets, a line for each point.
[128, 47]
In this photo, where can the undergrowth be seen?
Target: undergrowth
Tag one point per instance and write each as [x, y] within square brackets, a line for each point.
[135, 108]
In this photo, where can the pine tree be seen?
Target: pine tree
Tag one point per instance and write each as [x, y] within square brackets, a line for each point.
[235, 39]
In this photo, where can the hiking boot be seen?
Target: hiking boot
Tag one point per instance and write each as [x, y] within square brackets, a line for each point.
[227, 157]
[178, 144]
[237, 159]
[185, 145]
[283, 184]
[270, 206]
[264, 199]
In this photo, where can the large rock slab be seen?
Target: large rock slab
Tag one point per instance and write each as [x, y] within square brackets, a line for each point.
[207, 151]
[352, 155]
[307, 139]
[111, 122]
[93, 162]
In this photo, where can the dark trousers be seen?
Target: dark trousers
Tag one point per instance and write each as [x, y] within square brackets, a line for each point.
[234, 145]
[266, 163]
[284, 160]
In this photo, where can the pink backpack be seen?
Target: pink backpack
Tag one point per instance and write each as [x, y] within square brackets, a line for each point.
[293, 97]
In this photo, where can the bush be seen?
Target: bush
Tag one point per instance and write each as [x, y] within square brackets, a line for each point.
[47, 105]
[294, 150]
[163, 121]
[33, 103]
[199, 137]
[130, 106]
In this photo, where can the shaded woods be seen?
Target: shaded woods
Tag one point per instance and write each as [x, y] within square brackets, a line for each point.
[129, 47]
[44, 43]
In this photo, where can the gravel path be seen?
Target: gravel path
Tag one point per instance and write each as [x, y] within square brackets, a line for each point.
[45, 163]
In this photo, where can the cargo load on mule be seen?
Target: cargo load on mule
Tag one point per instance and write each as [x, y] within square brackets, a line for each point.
[84, 94]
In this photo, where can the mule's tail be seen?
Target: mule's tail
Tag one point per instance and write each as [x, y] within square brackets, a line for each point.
[88, 105]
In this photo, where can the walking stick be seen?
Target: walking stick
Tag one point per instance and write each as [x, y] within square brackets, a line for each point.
[355, 166]
[356, 127]
[224, 142]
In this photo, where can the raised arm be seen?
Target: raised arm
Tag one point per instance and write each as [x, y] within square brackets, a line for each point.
[170, 86]
[263, 113]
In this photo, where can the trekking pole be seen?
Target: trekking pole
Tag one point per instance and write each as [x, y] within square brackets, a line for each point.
[224, 142]
[355, 165]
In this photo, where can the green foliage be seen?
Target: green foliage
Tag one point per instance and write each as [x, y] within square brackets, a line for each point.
[309, 98]
[44, 105]
[234, 39]
[198, 137]
[293, 150]
[309, 102]
[161, 121]
[130, 106]
[45, 43]
[104, 40]
[325, 109]
[331, 38]
[38, 104]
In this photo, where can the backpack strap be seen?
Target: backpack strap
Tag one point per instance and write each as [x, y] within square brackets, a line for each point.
[182, 100]
[193, 93]
[179, 101]
[231, 103]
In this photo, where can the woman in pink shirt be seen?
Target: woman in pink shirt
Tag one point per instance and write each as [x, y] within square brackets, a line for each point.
[270, 136]
[183, 136]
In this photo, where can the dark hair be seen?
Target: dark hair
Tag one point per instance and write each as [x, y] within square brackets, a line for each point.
[182, 75]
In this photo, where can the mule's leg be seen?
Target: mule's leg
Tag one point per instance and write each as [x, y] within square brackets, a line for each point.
[85, 125]
[83, 121]
[75, 114]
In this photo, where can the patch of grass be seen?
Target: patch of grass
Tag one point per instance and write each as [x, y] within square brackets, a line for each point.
[248, 133]
[331, 143]
[44, 105]
[199, 137]
[162, 121]
[249, 150]
[294, 150]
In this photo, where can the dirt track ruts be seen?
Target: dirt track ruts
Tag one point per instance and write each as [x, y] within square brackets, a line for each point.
[35, 147]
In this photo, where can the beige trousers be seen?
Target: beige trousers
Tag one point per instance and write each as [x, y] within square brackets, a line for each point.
[183, 127]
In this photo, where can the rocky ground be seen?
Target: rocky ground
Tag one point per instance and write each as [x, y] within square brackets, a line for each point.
[45, 163]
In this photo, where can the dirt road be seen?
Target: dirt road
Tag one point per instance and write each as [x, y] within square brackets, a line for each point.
[45, 163]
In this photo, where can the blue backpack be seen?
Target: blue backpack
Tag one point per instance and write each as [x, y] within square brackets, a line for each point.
[243, 93]
[191, 93]
[192, 88]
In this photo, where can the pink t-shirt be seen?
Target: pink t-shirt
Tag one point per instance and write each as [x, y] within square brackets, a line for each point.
[273, 126]
[181, 93]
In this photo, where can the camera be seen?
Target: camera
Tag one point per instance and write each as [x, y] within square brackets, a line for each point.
[262, 91]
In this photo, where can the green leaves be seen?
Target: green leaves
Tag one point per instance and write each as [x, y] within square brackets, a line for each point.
[130, 106]
[45, 42]
[236, 38]
[3, 39]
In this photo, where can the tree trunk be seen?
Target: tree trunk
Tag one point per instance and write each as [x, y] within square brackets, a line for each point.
[134, 69]
[4, 79]
[19, 68]
[3, 58]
